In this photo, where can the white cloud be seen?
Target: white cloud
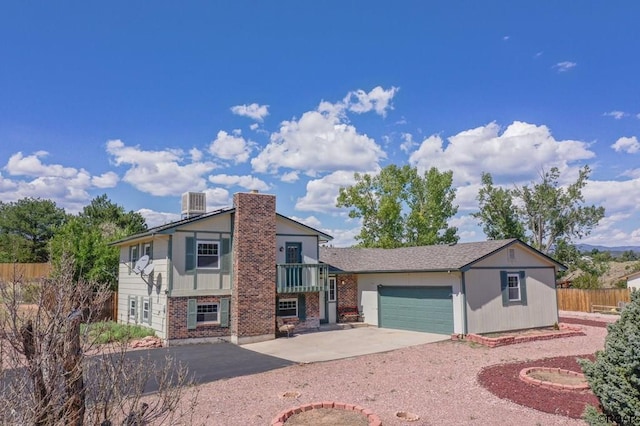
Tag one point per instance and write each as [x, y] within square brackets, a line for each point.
[196, 154]
[343, 237]
[154, 218]
[247, 182]
[519, 153]
[613, 195]
[19, 165]
[505, 38]
[254, 126]
[290, 177]
[565, 66]
[159, 173]
[254, 111]
[615, 114]
[538, 54]
[628, 145]
[322, 193]
[378, 99]
[217, 198]
[632, 173]
[231, 147]
[105, 180]
[407, 142]
[311, 221]
[318, 142]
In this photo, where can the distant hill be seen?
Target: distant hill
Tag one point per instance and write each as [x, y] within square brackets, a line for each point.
[612, 250]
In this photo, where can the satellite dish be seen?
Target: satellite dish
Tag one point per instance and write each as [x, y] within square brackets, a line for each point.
[148, 270]
[141, 264]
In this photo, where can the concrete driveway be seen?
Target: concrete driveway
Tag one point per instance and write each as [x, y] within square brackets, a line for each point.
[337, 344]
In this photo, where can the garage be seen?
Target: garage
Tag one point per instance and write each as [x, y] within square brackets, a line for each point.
[426, 309]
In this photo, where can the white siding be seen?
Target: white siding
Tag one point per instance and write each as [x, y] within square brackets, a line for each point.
[634, 281]
[368, 291]
[142, 287]
[287, 231]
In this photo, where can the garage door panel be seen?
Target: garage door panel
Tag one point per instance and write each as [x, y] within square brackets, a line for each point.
[427, 309]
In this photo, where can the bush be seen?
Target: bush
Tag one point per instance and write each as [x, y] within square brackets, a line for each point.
[110, 332]
[614, 376]
[586, 281]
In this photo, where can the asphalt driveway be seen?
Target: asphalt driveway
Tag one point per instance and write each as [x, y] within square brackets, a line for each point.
[338, 344]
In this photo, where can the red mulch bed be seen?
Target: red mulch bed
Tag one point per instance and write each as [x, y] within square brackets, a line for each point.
[592, 323]
[503, 381]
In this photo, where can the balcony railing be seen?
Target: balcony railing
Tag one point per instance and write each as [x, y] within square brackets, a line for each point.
[301, 277]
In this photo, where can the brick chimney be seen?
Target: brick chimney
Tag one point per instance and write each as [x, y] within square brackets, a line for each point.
[254, 268]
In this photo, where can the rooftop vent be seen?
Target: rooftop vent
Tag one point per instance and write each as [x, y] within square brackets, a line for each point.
[193, 204]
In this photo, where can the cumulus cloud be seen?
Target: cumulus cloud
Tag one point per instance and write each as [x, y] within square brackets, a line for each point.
[217, 198]
[160, 173]
[615, 114]
[322, 193]
[154, 218]
[290, 177]
[378, 100]
[407, 142]
[31, 165]
[628, 145]
[231, 147]
[254, 111]
[311, 221]
[565, 66]
[247, 182]
[519, 153]
[105, 180]
[613, 195]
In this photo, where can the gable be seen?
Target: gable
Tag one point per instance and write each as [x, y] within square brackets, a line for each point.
[515, 255]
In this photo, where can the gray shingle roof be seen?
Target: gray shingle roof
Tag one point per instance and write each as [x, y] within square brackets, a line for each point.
[423, 258]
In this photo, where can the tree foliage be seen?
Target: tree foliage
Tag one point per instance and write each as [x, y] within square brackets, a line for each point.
[26, 226]
[614, 376]
[498, 215]
[399, 207]
[549, 213]
[86, 237]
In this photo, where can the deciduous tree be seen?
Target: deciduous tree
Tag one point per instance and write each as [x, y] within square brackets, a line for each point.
[498, 214]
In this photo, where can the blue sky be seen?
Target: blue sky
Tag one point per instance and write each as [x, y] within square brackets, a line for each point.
[144, 101]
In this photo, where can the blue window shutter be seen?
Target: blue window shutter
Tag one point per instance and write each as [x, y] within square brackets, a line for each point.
[302, 308]
[190, 251]
[523, 287]
[192, 313]
[225, 263]
[504, 284]
[224, 312]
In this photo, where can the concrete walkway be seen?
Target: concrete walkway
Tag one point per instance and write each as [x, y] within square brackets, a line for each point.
[337, 344]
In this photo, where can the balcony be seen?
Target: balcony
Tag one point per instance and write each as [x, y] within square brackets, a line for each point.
[301, 277]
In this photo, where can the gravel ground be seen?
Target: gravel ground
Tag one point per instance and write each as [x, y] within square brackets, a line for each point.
[436, 381]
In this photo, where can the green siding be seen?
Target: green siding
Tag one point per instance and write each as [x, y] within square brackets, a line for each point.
[426, 309]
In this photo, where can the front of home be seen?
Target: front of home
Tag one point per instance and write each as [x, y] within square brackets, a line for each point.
[236, 274]
[223, 275]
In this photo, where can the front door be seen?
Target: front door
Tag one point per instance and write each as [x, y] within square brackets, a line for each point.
[293, 254]
[332, 300]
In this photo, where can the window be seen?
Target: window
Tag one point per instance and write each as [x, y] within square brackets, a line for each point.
[208, 254]
[133, 308]
[146, 250]
[513, 284]
[146, 311]
[207, 312]
[134, 255]
[288, 308]
[332, 289]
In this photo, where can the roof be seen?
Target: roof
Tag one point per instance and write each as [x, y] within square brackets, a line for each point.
[412, 259]
[168, 228]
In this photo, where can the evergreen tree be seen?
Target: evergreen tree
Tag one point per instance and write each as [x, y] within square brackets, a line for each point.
[614, 376]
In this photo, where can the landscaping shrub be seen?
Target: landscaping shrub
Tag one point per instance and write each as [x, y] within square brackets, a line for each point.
[110, 331]
[614, 376]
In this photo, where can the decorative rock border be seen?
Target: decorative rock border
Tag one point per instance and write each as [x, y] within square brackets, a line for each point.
[524, 376]
[282, 417]
[494, 342]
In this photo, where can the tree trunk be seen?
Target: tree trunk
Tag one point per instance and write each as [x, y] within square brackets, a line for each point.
[73, 372]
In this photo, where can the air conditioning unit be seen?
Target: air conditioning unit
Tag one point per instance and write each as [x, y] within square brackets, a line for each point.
[193, 204]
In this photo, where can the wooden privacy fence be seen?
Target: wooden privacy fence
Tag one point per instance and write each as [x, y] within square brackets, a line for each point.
[24, 271]
[575, 299]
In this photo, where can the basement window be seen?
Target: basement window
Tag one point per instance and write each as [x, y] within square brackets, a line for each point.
[288, 308]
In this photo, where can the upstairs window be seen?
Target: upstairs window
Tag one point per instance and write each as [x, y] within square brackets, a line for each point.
[208, 254]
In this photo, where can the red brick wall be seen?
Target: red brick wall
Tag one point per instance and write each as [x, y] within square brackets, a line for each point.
[177, 320]
[254, 265]
[312, 303]
[347, 290]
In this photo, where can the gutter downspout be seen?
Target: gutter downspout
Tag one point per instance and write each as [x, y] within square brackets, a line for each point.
[464, 303]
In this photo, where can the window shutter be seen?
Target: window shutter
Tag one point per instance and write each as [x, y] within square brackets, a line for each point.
[149, 319]
[225, 263]
[523, 287]
[190, 252]
[140, 306]
[302, 308]
[151, 250]
[192, 313]
[129, 307]
[504, 284]
[224, 312]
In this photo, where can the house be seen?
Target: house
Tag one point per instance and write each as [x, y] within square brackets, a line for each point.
[463, 288]
[223, 275]
[633, 281]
